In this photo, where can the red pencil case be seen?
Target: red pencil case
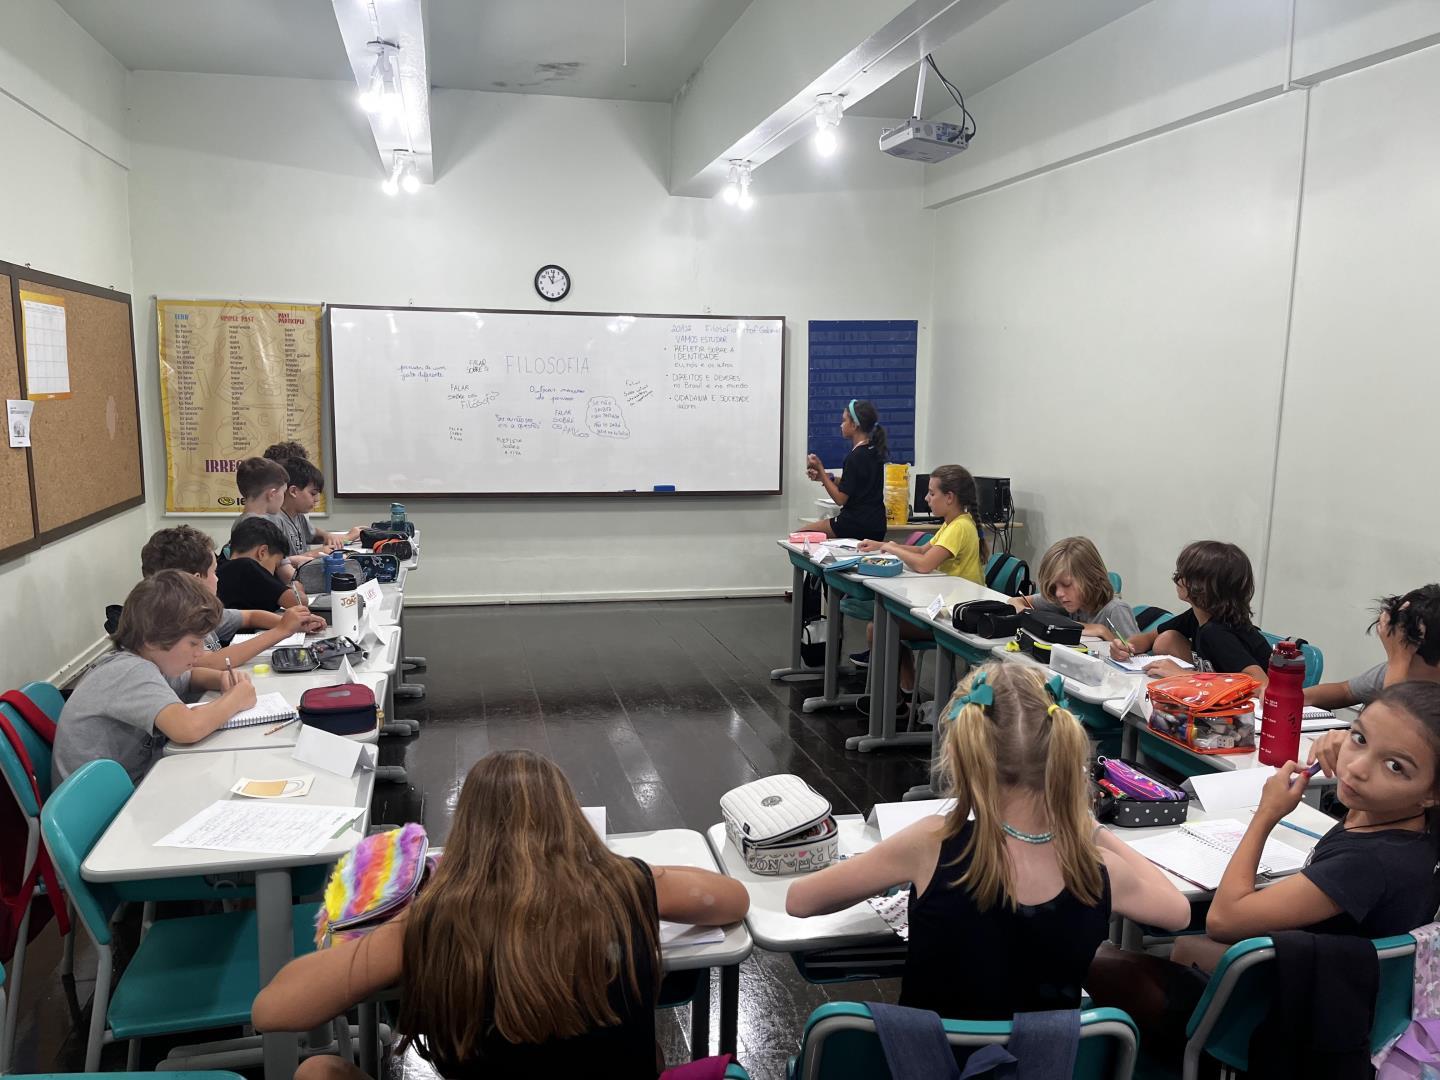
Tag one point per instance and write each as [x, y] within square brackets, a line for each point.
[346, 709]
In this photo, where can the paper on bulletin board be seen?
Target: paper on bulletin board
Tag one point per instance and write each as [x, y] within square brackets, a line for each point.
[17, 422]
[47, 353]
[235, 377]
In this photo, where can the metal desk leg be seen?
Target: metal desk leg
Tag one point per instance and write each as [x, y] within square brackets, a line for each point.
[700, 1020]
[729, 1007]
[407, 689]
[887, 687]
[879, 662]
[369, 1039]
[797, 668]
[277, 945]
[830, 697]
[944, 684]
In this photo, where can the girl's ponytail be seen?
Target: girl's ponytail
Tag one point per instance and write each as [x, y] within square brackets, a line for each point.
[1067, 800]
[879, 443]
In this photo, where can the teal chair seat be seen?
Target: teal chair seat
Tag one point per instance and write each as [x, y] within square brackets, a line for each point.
[1238, 997]
[1007, 574]
[840, 1043]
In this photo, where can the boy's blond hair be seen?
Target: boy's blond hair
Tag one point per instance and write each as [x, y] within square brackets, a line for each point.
[1078, 557]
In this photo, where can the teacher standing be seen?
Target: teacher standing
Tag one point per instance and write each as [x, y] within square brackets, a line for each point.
[861, 490]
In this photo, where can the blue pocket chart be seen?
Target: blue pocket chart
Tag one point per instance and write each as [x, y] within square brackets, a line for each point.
[868, 360]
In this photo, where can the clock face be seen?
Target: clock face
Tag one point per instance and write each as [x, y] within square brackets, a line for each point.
[552, 282]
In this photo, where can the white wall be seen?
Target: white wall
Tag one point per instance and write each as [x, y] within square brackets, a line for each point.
[64, 190]
[269, 188]
[1127, 244]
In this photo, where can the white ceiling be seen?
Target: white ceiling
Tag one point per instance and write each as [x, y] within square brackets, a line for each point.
[575, 48]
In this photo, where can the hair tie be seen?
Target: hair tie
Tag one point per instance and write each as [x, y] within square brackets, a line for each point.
[854, 418]
[1050, 709]
[980, 693]
[1055, 686]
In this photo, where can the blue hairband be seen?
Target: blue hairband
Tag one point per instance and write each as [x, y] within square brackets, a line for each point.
[851, 409]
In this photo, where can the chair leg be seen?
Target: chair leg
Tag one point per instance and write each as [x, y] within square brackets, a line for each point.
[342, 1039]
[147, 918]
[99, 1007]
[132, 1056]
[67, 958]
[12, 1006]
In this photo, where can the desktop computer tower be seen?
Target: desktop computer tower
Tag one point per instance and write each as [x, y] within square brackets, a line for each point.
[994, 495]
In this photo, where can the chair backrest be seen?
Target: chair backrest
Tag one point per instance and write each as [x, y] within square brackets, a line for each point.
[16, 775]
[1238, 997]
[73, 819]
[49, 700]
[1148, 617]
[840, 1043]
[1314, 658]
[1007, 574]
[1115, 582]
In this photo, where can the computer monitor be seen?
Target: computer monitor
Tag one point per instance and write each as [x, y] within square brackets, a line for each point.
[919, 508]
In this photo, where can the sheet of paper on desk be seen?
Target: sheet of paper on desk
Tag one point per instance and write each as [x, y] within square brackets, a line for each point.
[293, 641]
[1136, 665]
[269, 828]
[1232, 789]
[890, 818]
[596, 816]
[674, 933]
[1311, 717]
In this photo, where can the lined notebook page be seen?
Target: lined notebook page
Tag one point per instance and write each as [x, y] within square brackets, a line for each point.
[1200, 852]
[268, 709]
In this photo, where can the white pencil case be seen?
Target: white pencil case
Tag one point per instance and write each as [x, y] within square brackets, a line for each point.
[780, 825]
[1089, 670]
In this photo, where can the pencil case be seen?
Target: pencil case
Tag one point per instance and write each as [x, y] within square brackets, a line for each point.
[808, 538]
[780, 825]
[1031, 645]
[329, 654]
[880, 566]
[346, 709]
[993, 615]
[1204, 711]
[1131, 798]
[406, 528]
[1051, 629]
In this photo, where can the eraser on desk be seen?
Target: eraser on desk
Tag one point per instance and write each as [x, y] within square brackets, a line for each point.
[261, 669]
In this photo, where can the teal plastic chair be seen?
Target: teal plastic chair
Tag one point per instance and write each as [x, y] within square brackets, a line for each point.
[17, 779]
[188, 974]
[1007, 574]
[1239, 995]
[736, 1072]
[840, 1044]
[1115, 582]
[1314, 658]
[1148, 617]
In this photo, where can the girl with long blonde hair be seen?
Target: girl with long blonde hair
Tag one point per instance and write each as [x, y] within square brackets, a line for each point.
[532, 951]
[1011, 891]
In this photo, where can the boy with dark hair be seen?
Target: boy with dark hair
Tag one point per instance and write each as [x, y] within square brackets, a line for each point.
[306, 485]
[249, 578]
[262, 487]
[1409, 631]
[132, 701]
[192, 552]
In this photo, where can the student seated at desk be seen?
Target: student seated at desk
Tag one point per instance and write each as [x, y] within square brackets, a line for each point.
[191, 551]
[1412, 651]
[131, 701]
[1372, 875]
[1006, 910]
[1216, 634]
[958, 547]
[249, 578]
[533, 951]
[285, 453]
[861, 490]
[1075, 583]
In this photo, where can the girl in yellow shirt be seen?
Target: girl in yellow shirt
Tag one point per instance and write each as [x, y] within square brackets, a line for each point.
[958, 548]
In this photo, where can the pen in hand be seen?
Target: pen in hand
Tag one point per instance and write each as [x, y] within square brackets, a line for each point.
[295, 588]
[1311, 771]
[1118, 636]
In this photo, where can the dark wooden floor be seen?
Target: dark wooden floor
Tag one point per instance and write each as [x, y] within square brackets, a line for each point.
[654, 710]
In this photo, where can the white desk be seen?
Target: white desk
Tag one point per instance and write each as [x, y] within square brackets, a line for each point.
[909, 591]
[292, 686]
[857, 927]
[686, 847]
[175, 790]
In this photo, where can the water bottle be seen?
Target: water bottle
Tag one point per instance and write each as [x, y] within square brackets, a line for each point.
[1284, 705]
[334, 564]
[345, 605]
[397, 516]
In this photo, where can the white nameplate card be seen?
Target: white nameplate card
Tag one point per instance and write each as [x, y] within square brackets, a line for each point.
[596, 816]
[370, 593]
[936, 606]
[333, 753]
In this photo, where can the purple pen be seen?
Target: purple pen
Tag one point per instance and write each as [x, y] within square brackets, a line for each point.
[1311, 771]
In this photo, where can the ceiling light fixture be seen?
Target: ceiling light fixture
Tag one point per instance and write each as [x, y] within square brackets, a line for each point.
[736, 191]
[391, 184]
[828, 108]
[381, 97]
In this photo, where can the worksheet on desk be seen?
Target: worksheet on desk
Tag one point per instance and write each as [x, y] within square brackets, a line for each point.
[263, 828]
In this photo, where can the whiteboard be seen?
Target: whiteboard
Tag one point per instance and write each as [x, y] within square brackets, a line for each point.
[430, 401]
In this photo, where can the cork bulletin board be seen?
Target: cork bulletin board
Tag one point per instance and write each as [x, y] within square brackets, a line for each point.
[17, 511]
[84, 464]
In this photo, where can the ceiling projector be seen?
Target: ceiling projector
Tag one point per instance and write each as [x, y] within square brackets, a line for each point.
[929, 141]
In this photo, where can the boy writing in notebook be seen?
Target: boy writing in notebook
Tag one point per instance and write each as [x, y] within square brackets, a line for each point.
[131, 702]
[192, 552]
[249, 579]
[307, 484]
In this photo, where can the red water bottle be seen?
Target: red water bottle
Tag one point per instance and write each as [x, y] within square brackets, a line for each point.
[1284, 705]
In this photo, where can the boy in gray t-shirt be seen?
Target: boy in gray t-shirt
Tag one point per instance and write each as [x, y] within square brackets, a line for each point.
[131, 702]
[1409, 631]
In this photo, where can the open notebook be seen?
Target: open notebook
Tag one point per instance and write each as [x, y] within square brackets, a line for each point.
[1200, 851]
[268, 709]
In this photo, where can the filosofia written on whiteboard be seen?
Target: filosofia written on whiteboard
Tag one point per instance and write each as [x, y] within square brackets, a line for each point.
[463, 402]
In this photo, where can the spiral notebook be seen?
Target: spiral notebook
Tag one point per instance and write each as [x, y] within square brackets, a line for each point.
[268, 709]
[1200, 851]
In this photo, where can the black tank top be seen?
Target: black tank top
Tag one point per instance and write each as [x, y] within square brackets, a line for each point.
[625, 1049]
[970, 965]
